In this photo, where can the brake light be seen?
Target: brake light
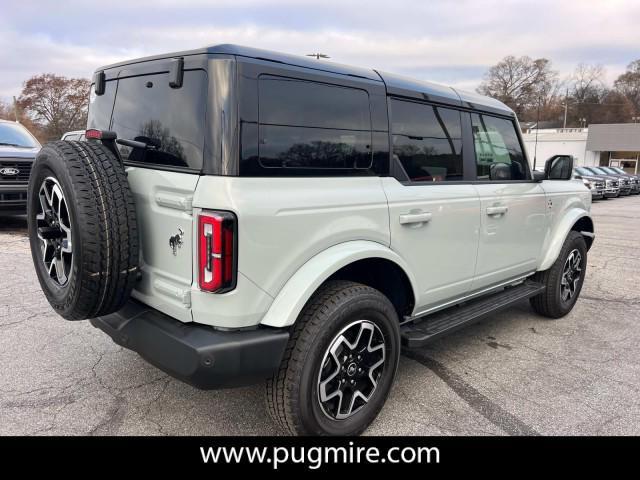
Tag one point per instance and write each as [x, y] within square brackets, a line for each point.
[217, 251]
[93, 134]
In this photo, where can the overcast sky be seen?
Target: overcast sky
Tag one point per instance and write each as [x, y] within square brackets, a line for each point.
[451, 42]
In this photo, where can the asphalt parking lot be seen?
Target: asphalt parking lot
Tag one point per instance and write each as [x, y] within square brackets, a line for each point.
[515, 373]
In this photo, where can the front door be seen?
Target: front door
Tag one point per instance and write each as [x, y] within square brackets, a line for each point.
[512, 206]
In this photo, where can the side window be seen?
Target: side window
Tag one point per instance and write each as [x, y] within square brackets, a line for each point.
[499, 154]
[427, 140]
[170, 121]
[310, 125]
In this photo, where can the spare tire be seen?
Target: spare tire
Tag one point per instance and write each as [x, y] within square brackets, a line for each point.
[82, 229]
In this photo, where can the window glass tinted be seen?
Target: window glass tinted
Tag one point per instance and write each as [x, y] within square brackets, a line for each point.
[498, 151]
[288, 101]
[427, 141]
[170, 121]
[297, 147]
[15, 135]
[309, 125]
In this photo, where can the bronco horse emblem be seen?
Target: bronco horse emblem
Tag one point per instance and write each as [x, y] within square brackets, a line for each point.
[175, 242]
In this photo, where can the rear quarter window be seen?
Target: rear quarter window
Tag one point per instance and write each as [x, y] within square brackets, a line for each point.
[170, 121]
[312, 126]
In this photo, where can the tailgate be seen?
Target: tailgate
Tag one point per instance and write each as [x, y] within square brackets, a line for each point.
[165, 222]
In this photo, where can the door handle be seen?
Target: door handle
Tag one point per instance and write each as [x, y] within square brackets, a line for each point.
[412, 218]
[499, 210]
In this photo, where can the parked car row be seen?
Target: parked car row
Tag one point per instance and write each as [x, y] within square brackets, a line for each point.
[608, 182]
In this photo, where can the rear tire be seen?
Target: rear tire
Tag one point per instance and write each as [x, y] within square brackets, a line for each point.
[563, 283]
[85, 254]
[343, 333]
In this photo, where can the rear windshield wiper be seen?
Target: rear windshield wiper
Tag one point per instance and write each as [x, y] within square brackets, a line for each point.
[135, 144]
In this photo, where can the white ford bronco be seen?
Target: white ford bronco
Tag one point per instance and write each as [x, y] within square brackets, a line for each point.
[237, 215]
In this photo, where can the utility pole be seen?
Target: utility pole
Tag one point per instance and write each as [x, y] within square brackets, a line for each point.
[566, 105]
[15, 108]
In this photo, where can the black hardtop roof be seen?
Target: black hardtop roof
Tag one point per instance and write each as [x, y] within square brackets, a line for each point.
[395, 84]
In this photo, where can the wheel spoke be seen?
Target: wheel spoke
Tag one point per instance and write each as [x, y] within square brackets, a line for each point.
[54, 231]
[571, 275]
[60, 271]
[349, 372]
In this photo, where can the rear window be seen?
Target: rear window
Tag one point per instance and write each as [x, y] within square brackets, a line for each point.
[169, 121]
[310, 125]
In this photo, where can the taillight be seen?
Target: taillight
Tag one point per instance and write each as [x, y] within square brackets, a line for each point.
[93, 134]
[217, 245]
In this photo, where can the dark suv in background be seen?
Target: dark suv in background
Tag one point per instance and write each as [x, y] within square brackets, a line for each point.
[601, 186]
[634, 180]
[624, 181]
[18, 149]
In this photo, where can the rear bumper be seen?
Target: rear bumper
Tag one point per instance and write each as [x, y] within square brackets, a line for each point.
[196, 354]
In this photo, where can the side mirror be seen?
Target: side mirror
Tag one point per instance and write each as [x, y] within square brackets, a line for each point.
[559, 167]
[539, 176]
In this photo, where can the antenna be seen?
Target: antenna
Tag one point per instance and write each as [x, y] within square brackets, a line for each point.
[535, 148]
[318, 55]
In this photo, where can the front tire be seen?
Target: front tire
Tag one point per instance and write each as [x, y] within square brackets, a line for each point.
[340, 362]
[564, 280]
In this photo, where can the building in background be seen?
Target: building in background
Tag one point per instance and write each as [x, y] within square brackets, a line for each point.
[608, 144]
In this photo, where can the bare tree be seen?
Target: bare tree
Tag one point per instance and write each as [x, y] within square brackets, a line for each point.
[522, 83]
[587, 82]
[6, 111]
[586, 92]
[628, 85]
[58, 103]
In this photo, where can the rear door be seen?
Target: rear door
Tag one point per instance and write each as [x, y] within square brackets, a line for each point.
[512, 206]
[163, 171]
[434, 217]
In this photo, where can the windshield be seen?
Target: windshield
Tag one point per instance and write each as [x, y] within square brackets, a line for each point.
[583, 171]
[619, 170]
[597, 171]
[15, 135]
[609, 170]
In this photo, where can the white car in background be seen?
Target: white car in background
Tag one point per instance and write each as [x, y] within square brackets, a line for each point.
[74, 135]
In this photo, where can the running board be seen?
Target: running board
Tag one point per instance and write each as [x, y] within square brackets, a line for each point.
[423, 330]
